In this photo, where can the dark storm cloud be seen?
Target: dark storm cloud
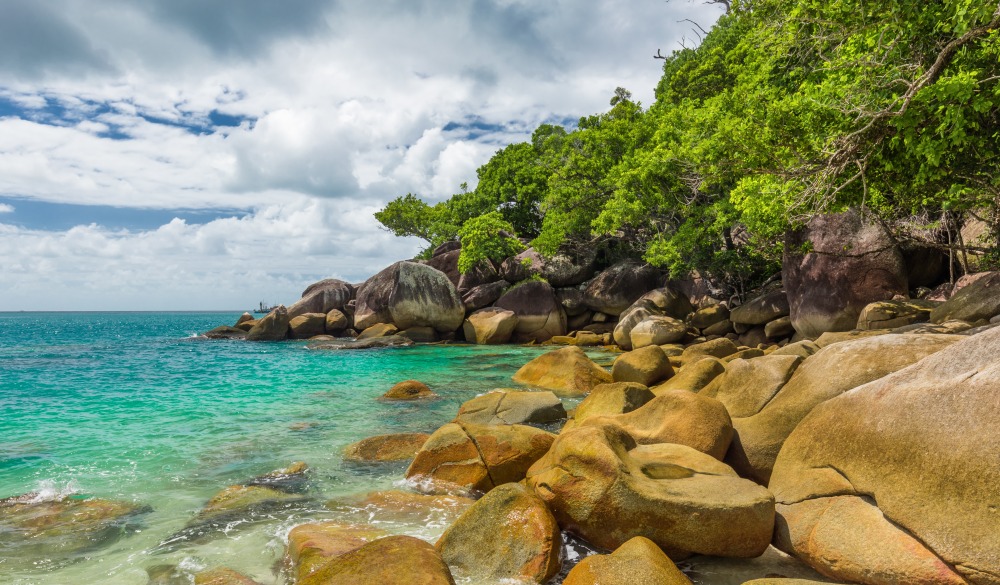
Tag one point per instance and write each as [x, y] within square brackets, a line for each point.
[242, 27]
[36, 38]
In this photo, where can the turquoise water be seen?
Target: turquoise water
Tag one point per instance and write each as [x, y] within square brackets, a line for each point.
[131, 406]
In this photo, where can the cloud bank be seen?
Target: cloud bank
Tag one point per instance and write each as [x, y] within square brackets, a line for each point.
[306, 116]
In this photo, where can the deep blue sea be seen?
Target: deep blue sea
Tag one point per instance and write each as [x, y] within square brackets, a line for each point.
[136, 407]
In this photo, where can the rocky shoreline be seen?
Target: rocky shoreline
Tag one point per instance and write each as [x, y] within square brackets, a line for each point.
[845, 415]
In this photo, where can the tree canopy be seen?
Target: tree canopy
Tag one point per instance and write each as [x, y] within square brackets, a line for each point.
[787, 108]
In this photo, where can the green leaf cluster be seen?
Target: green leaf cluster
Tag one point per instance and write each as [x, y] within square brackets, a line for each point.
[788, 108]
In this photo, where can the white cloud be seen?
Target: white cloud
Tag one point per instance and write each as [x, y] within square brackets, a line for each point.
[349, 100]
[5, 208]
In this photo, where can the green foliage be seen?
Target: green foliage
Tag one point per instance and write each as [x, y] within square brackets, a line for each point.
[486, 238]
[788, 108]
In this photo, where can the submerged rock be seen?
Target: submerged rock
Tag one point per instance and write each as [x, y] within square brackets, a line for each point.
[222, 576]
[394, 447]
[313, 545]
[373, 343]
[39, 530]
[400, 506]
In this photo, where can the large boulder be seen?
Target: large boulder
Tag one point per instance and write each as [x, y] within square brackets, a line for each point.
[540, 317]
[524, 539]
[679, 417]
[567, 371]
[665, 302]
[307, 325]
[611, 400]
[912, 466]
[693, 376]
[833, 370]
[748, 385]
[761, 310]
[482, 273]
[637, 561]
[478, 457]
[408, 294]
[393, 560]
[601, 485]
[312, 545]
[447, 263]
[490, 326]
[646, 366]
[979, 300]
[322, 297]
[510, 407]
[615, 289]
[483, 295]
[894, 313]
[850, 262]
[273, 327]
[657, 330]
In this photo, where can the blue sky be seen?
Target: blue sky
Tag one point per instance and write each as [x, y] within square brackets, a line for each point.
[206, 154]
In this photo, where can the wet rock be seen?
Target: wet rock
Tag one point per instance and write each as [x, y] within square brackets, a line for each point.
[912, 466]
[615, 289]
[567, 371]
[666, 302]
[510, 407]
[490, 326]
[408, 390]
[637, 561]
[478, 457]
[407, 295]
[381, 448]
[291, 479]
[226, 332]
[379, 330]
[273, 327]
[222, 576]
[599, 484]
[646, 366]
[760, 437]
[393, 560]
[372, 343]
[850, 263]
[408, 507]
[311, 546]
[527, 549]
[539, 315]
[420, 334]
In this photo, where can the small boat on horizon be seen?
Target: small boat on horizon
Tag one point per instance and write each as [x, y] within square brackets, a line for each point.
[264, 308]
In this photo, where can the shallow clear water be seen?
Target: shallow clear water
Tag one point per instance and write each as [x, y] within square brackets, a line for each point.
[130, 406]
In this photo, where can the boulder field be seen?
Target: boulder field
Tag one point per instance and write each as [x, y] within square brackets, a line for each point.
[835, 415]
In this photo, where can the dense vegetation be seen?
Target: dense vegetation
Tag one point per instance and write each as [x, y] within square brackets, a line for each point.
[788, 108]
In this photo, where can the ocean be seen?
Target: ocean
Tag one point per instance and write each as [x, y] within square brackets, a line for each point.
[135, 407]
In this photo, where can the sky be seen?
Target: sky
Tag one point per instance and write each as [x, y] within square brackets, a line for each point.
[211, 154]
